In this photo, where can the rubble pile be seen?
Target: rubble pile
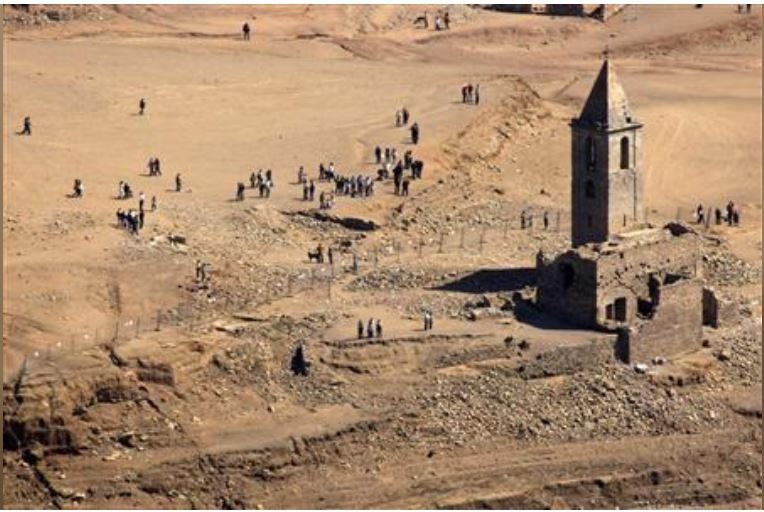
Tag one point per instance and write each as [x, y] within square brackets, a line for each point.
[25, 15]
[725, 269]
[390, 278]
[613, 402]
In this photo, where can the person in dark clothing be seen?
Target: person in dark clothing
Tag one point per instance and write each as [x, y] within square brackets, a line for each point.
[378, 154]
[245, 31]
[311, 190]
[360, 329]
[546, 220]
[415, 133]
[240, 191]
[300, 365]
[405, 114]
[78, 188]
[477, 94]
[141, 106]
[718, 216]
[405, 188]
[178, 183]
[416, 169]
[27, 129]
[141, 215]
[370, 329]
[379, 328]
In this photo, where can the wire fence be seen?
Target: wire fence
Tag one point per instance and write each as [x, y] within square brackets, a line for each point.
[322, 278]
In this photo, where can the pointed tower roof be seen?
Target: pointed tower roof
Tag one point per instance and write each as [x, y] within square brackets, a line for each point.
[606, 106]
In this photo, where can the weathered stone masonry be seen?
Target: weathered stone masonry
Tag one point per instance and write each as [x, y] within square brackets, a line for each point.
[622, 275]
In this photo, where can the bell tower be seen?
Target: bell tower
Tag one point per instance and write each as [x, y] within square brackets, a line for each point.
[606, 160]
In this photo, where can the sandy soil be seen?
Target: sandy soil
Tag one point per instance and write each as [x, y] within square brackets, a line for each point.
[322, 84]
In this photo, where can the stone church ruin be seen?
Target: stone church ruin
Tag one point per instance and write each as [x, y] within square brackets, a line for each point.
[622, 274]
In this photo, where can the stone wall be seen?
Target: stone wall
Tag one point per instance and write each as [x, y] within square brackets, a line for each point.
[718, 311]
[625, 186]
[589, 211]
[567, 288]
[627, 273]
[675, 327]
[625, 278]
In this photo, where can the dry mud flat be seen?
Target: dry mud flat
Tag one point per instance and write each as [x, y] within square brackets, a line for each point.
[196, 403]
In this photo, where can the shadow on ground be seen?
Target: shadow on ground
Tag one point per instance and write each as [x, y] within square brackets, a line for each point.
[492, 281]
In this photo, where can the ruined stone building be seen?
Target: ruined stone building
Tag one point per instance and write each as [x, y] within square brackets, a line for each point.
[622, 274]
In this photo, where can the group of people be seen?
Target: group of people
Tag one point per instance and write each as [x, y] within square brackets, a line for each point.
[318, 255]
[371, 328]
[124, 191]
[308, 190]
[402, 117]
[732, 216]
[746, 7]
[389, 156]
[441, 22]
[354, 186]
[130, 220]
[153, 167]
[526, 220]
[262, 182]
[471, 94]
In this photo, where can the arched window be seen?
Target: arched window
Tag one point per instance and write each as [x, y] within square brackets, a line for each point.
[625, 153]
[591, 153]
[589, 189]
